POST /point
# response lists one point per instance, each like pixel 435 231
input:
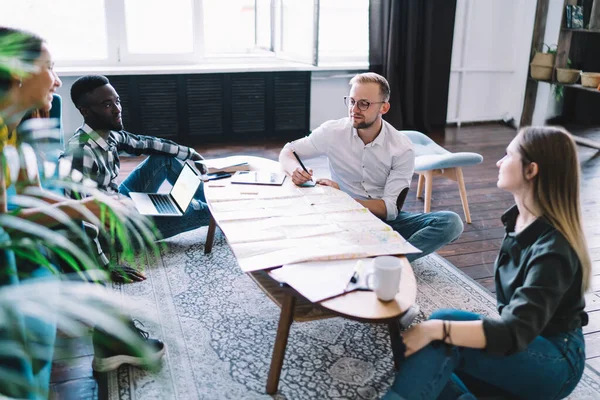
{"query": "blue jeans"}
pixel 427 231
pixel 549 368
pixel 149 176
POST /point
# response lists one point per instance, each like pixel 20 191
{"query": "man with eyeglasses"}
pixel 372 162
pixel 95 146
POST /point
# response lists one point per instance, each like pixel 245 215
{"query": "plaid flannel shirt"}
pixel 98 159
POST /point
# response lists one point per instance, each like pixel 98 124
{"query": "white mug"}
pixel 386 277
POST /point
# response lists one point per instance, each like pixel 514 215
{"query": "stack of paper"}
pixel 226 164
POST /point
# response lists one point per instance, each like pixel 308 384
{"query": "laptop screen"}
pixel 185 187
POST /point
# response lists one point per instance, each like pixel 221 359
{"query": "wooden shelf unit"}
pixel 561 59
pixel 579 86
pixel 568 85
pixel 580 30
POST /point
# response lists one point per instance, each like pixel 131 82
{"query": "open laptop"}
pixel 173 203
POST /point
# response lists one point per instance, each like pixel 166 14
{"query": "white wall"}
pixel 71 117
pixel 326 102
pixel 490 57
pixel 327 96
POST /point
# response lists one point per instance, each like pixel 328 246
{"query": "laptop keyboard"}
pixel 162 204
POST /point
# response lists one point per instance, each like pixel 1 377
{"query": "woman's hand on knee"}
pixel 421 335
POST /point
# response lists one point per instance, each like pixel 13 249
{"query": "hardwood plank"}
pixel 455 249
pixel 595 285
pixel 592 345
pixel 594 324
pixel 479 271
pixel 595 253
pixel 467 260
pixel 592 302
pixel 594 363
pixel 487 283
pixel 478 235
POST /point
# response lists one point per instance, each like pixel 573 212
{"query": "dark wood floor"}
pixel 474 252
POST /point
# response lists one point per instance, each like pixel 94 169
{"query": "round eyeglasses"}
pixel 363 105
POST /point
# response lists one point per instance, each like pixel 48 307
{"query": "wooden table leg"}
pixel 283 331
pixel 397 347
pixel 210 236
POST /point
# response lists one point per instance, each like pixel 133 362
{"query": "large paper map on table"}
pixel 268 228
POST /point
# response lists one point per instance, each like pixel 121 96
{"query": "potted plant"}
pixel 34 302
pixel 542 64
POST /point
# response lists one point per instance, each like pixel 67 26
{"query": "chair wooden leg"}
pixel 283 331
pixel 420 186
pixel 394 328
pixel 463 194
pixel 210 236
pixel 428 189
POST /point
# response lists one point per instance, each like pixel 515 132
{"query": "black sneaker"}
pixel 110 352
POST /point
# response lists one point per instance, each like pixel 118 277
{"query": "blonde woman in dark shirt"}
pixel 535 350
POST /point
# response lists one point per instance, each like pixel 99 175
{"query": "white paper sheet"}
pixel 221 163
pixel 338 245
pixel 249 192
pixel 318 280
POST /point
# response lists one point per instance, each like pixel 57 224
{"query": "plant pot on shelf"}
pixel 590 79
pixel 542 66
pixel 541 72
pixel 543 59
pixel 568 76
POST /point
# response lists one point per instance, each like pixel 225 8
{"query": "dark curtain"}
pixel 411 45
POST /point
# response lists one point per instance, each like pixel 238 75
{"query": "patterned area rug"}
pixel 220 329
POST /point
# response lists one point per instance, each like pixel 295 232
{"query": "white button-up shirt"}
pixel 378 170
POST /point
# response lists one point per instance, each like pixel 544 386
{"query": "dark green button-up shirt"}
pixel 538 287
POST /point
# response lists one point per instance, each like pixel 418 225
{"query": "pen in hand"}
pixel 301 164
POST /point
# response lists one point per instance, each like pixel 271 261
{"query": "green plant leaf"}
pixel 12 223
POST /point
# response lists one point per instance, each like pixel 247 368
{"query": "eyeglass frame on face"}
pixel 350 103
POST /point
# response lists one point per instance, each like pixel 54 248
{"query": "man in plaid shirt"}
pixel 95 147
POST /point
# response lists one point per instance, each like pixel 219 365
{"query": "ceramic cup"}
pixel 385 278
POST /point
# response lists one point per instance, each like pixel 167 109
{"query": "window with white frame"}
pixel 176 32
pixel 343 30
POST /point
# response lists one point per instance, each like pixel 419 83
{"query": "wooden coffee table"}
pixel 359 305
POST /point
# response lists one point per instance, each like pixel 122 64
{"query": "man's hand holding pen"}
pixel 301 176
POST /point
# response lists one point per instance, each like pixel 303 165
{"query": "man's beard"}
pixel 102 123
pixel 364 124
